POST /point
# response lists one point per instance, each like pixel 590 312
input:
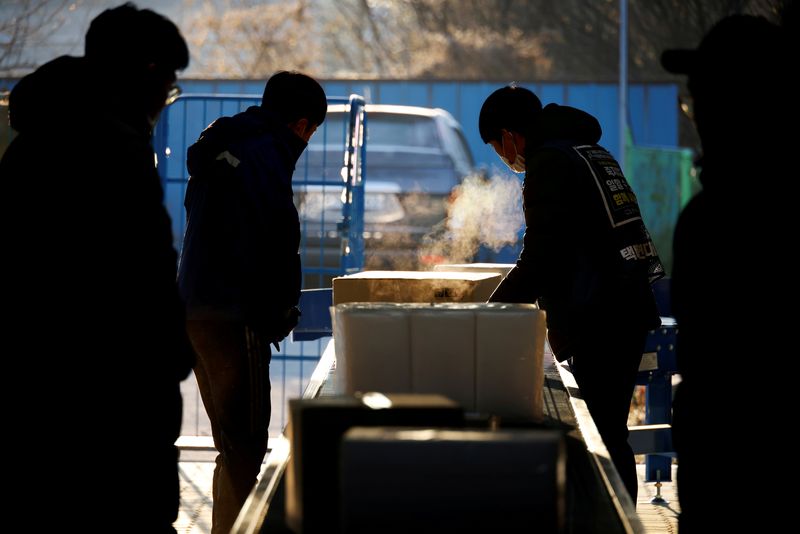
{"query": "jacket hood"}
pixel 58 91
pixel 564 123
pixel 224 132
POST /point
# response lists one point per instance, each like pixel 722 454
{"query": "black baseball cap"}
pixel 731 45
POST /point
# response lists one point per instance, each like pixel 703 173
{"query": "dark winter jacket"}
pixel 587 257
pixel 87 239
pixel 94 333
pixel 240 256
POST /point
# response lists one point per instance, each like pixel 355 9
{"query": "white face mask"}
pixel 519 163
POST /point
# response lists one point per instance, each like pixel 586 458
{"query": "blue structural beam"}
pixel 655 437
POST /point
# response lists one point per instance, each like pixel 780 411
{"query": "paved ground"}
pixel 195 513
pixel 658 517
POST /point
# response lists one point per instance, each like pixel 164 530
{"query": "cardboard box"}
pixel 488 357
pixel 429 481
pixel 500 268
pixel 414 286
pixel 315 431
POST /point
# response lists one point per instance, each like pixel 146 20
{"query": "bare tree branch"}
pixel 24 24
pixel 543 40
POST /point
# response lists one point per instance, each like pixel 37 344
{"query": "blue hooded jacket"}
pixel 240 258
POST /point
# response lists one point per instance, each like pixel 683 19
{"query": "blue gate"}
pixel 334 166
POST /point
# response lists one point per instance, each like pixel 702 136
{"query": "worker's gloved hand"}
pixel 282 325
pixel 277 326
pixel 287 322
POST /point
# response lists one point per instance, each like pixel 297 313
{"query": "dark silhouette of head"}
pixel 137 51
pixel 298 99
pixel 510 108
pixel 736 77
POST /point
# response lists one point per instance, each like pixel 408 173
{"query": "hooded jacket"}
pixel 240 256
pixel 587 257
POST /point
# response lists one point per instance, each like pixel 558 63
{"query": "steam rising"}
pixel 482 212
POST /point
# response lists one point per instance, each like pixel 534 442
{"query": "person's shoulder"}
pixel 552 150
pixel 224 127
pixel 550 157
pixel 249 128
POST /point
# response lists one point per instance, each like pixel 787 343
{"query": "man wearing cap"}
pixel 95 342
pixel 727 249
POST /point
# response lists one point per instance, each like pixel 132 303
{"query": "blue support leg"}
pixel 659 406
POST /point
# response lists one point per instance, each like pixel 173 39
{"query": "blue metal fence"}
pixel 179 127
pixel 652 107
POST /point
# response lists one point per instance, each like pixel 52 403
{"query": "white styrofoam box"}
pixel 373 350
pixel 440 345
pixel 497 389
pixel 488 357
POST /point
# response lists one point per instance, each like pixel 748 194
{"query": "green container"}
pixel 664 179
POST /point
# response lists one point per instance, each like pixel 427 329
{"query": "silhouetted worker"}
pixel 587 256
pixel 95 335
pixel 727 281
pixel 240 270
